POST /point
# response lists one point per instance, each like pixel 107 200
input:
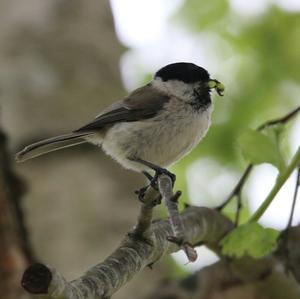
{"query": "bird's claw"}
pixel 159 172
pixel 141 193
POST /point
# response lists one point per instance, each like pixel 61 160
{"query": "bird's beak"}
pixel 217 85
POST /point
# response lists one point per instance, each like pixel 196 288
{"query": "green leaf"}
pixel 258 148
pixel 250 239
pixel 275 133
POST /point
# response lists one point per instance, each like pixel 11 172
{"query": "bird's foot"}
pixel 157 169
pixel 153 179
pixel 141 193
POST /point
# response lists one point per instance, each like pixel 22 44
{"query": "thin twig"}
pixel 238 187
pixel 171 200
pixel 150 200
pixel 238 209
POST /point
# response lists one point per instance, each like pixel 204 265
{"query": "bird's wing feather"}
pixel 142 103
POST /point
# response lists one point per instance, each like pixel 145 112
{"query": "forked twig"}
pixel 171 200
pixel 143 226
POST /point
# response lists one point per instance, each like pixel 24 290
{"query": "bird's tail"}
pixel 49 145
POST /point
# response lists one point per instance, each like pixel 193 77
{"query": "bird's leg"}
pixel 147 175
pixel 158 170
pixel 142 191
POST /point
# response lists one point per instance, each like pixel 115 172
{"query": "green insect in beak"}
pixel 217 85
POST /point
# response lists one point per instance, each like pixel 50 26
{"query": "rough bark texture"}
pixel 246 277
pixel 179 235
pixel 104 279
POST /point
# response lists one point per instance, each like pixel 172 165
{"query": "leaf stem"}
pixel 294 199
pixel 281 179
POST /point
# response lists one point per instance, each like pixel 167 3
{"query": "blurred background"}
pixel 63 61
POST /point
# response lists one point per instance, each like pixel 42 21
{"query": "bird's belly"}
pixel 162 142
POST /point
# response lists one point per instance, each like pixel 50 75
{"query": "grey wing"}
pixel 143 103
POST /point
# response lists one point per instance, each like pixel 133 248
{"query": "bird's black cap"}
pixel 183 71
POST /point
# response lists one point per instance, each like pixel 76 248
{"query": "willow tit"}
pixel 156 124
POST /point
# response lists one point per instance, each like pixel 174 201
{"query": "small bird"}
pixel 153 127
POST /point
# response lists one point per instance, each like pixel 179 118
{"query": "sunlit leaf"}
pixel 250 239
pixel 258 148
pixel 275 133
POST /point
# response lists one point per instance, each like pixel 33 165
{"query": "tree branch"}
pixel 143 226
pixel 171 200
pixel 104 279
pixel 195 225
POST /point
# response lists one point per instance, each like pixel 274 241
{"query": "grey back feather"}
pixel 143 103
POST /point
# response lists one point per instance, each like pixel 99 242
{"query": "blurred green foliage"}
pixel 258 61
pixel 261 58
